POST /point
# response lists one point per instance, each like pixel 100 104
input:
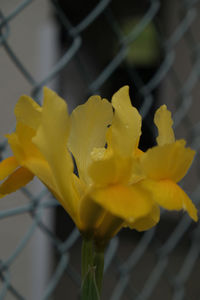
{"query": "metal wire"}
pixel 159 270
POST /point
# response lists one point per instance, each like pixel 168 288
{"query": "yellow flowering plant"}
pixel 118 185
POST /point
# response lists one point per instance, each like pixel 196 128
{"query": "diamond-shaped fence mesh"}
pixel 153 46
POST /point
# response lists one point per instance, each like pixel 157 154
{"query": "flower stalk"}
pixel 87 256
pixel 92 270
pixel 99 267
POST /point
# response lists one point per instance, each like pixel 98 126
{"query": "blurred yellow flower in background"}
pixel 117 184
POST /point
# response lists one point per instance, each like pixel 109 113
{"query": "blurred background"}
pixel 80 48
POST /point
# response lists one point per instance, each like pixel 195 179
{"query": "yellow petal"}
pixel 21 143
pixel 15 146
pixel 51 140
pixel 108 168
pixel 136 172
pixel 126 202
pixel 7 166
pixel 109 226
pixel 41 169
pixel 89 123
pixel 170 196
pixel 91 214
pixel 103 169
pixel 147 222
pixel 124 133
pixel 15 181
pixel 164 124
pixel 29 155
pixel 170 161
pixel 27 111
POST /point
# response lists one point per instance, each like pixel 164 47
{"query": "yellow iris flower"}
pixel 117 184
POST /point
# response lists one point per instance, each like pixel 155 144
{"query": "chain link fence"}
pixel 154 46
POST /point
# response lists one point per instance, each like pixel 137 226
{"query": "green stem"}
pixel 87 257
pixel 99 266
pixel 92 271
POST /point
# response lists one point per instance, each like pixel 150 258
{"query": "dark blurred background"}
pixel 142 44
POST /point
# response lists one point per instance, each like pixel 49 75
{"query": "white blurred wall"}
pixel 31 37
